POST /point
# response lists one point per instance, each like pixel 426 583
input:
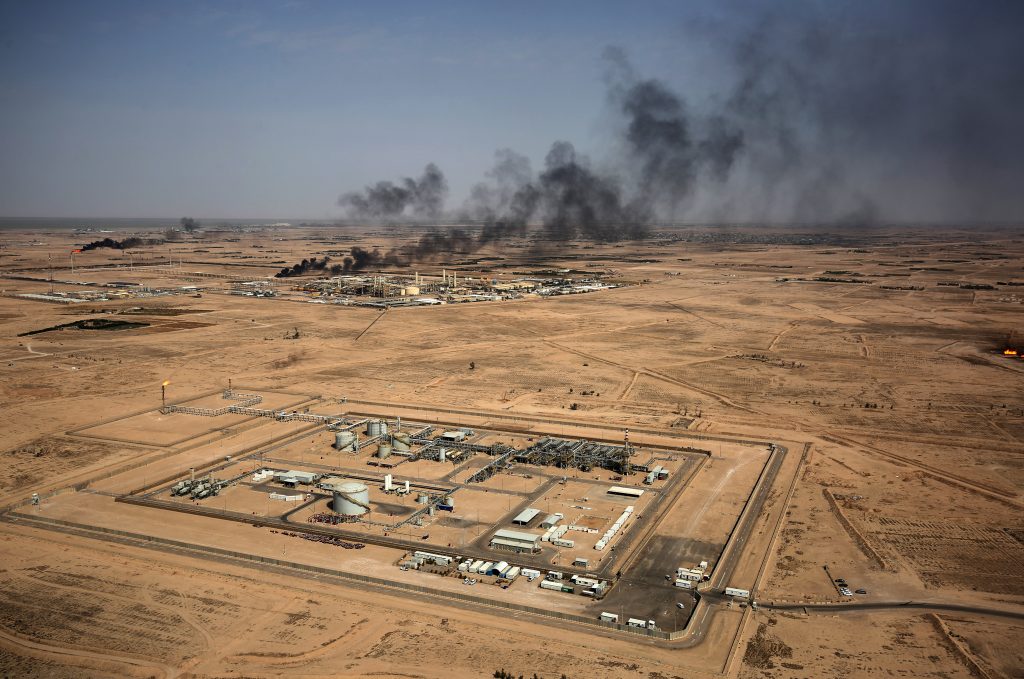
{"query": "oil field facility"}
pixel 509 514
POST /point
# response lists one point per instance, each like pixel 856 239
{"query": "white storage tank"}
pixel 401 442
pixel 384 451
pixel 351 498
pixel 344 441
pixel 376 428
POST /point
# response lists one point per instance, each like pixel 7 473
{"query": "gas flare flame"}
pixel 1009 352
pixel 166 382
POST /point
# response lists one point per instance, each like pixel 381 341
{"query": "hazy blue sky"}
pixel 268 109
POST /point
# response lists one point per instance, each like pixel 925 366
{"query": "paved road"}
pixel 896 605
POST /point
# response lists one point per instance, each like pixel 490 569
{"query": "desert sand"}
pixel 877 363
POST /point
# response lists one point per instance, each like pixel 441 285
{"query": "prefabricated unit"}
pixel 738 593
pixel 609 617
pixel 550 521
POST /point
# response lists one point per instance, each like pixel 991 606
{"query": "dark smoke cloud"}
pixel 816 113
pixel 507 202
pixel 131 242
pixel 423 197
pixel 306 266
pixel 855 112
pixel 578 202
pixel 668 148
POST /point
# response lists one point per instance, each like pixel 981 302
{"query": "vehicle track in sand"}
pixel 67 655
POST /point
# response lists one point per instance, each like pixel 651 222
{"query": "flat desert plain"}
pixel 878 364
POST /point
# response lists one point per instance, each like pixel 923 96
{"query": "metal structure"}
pixel 345 440
pixel 578 454
pixel 351 498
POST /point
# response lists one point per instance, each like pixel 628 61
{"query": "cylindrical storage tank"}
pixel 376 428
pixel 384 451
pixel 423 498
pixel 351 498
pixel 440 455
pixel 344 440
pixel 449 500
pixel 401 443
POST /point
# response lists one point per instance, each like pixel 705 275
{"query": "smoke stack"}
pixel 406 486
pixel 387 483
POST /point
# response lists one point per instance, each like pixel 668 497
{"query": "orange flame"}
pixel 166 382
pixel 1009 352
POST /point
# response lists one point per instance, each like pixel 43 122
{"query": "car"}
pixel 681 605
pixel 845 591
pixel 840 582
pixel 862 591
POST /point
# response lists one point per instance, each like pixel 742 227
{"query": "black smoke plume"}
pixel 576 201
pixel 423 197
pixel 304 267
pixel 131 242
pixel 668 148
pixel 822 113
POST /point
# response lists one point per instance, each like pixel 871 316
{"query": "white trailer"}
pixel 475 567
pixel 549 584
pixel 609 617
pixel 636 622
pixel 530 573
pixel 685 584
pixel 738 593
pixel 553 575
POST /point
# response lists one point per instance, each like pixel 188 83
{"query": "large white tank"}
pixel 376 428
pixel 344 440
pixel 384 451
pixel 401 442
pixel 351 498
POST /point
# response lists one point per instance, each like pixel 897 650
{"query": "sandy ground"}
pixel 912 488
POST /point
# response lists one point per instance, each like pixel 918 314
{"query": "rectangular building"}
pixel 526 516
pixel 515 541
pixel 550 521
pixel 625 492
